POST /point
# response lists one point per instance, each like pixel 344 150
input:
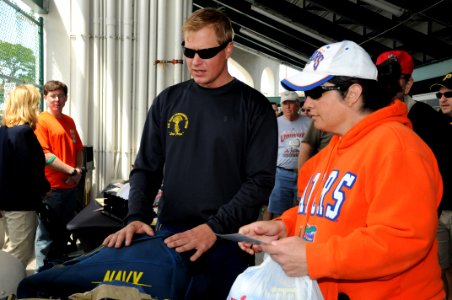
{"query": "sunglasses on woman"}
pixel 445 94
pixel 204 53
pixel 317 92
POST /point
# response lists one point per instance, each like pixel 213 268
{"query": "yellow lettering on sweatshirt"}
pixel 136 277
pixel 133 277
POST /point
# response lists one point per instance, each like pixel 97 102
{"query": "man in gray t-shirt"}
pixel 291 129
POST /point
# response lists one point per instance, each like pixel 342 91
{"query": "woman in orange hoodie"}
pixel 366 222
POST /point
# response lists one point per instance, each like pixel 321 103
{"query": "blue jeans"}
pixel 284 193
pixel 52 232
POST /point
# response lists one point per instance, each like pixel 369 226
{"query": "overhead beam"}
pixel 385 27
pixel 304 29
pixel 319 24
pixel 244 17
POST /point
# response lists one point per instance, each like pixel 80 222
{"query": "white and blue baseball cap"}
pixel 344 58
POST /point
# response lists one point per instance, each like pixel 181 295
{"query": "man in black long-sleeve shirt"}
pixel 443 91
pixel 212 141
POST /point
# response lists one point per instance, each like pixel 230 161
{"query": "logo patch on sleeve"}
pixel 309 233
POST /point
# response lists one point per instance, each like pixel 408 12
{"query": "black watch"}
pixel 74 172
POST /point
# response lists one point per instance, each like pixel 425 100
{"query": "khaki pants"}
pixel 20 230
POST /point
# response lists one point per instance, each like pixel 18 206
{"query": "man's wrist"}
pixel 74 172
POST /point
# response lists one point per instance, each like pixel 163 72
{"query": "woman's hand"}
pixel 266 231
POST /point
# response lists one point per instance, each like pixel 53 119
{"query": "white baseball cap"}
pixel 344 58
pixel 289 96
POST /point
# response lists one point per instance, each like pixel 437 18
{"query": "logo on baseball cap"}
pixel 344 58
pixel 445 82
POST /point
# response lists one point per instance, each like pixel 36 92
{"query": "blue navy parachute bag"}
pixel 147 264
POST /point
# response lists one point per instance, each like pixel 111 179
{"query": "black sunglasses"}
pixel 445 94
pixel 317 92
pixel 204 53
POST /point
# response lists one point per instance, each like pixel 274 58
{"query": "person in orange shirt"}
pixel 365 227
pixel 63 151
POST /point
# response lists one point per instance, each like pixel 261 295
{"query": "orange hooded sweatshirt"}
pixel 368 207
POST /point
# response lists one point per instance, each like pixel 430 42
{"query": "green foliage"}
pixel 17 61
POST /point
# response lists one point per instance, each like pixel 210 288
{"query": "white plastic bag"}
pixel 269 282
